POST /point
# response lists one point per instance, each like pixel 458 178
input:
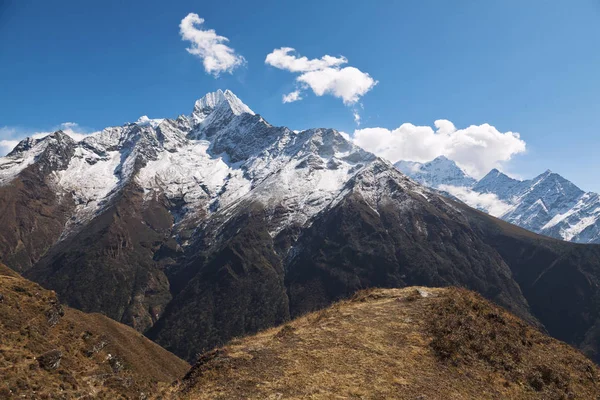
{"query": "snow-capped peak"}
pixel 435 173
pixel 145 121
pixel 207 104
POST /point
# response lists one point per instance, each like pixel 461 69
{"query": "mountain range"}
pixel 217 224
pixel 547 204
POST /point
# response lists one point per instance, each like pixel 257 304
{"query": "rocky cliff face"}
pixel 217 224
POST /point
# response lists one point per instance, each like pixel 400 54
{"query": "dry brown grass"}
pixel 395 344
pixel 99 358
pixel 470 333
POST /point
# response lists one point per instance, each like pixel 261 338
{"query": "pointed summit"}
pixel 498 183
pixel 219 99
pixel 437 172
pixel 442 158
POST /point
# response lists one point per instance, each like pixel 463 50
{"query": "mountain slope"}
pixel 380 232
pixel 217 224
pixel 396 344
pixel 47 349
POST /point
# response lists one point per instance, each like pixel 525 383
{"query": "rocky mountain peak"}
pixel 498 183
pixel 50 153
pixel 23 146
pixel 440 171
pixel 226 101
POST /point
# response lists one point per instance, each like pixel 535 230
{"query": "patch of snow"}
pixel 145 121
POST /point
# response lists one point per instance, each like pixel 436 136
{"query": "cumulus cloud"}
pixel 349 83
pixel 216 56
pixel 346 136
pixel 477 149
pixel 11 136
pixel 7 145
pixel 487 202
pixel 291 97
pixel 323 75
pixel 282 59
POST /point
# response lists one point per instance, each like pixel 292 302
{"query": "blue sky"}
pixel 529 67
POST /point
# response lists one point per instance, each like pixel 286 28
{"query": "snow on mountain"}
pixel 223 155
pixel 210 104
pixel 440 171
pixel 51 149
pixel 548 204
pixel 145 121
pixel 220 154
pixel 497 183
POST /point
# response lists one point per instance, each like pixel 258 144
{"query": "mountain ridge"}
pixel 395 344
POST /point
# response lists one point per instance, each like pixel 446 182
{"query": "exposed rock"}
pixel 50 360
pixel 116 364
pixel 54 313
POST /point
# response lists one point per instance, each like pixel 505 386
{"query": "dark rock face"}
pixel 112 261
pixel 354 247
pixel 32 219
pixel 237 279
pixel 236 290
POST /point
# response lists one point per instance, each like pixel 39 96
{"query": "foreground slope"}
pixel 50 351
pixel 396 344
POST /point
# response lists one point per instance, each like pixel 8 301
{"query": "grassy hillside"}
pixel 48 351
pixel 413 343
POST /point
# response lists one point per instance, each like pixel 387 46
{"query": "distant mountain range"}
pixel 216 224
pixel 547 204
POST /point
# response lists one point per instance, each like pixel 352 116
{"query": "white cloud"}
pixel 209 47
pixel 323 75
pixel 477 148
pixel 487 202
pixel 291 97
pixel 348 83
pixel 356 117
pixel 6 146
pixel 345 136
pixel 10 136
pixel 282 59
